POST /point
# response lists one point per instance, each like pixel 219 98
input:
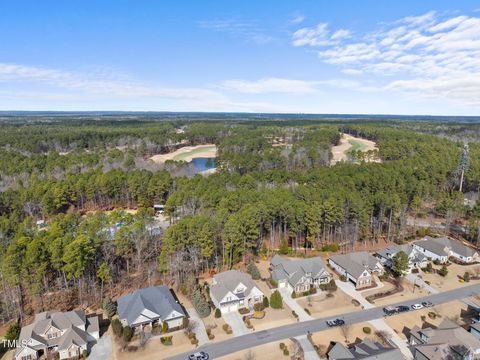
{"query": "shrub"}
pixel 266 303
pixel 258 306
pixel 367 330
pixel 295 315
pixel 443 271
pixel 273 283
pixel 436 262
pixel 253 271
pixel 84 354
pixel 330 247
pixel 307 311
pixel 286 352
pixel 283 249
pixel 13 332
pixel 166 340
pixel 276 301
pixel 294 294
pixel 428 268
pixel 466 276
pixel 243 311
pixel 218 313
pixel 127 333
pixel 117 327
pixel 164 327
pixel 109 307
pixel 343 278
pixel 414 271
pixel 248 323
pixel 185 323
pixel 227 328
pixel 200 304
pixel 282 346
pixel 355 302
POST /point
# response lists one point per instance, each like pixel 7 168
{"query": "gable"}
pixel 150 314
pixel 240 288
pixel 229 297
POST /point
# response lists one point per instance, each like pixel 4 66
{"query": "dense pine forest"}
pixel 273 190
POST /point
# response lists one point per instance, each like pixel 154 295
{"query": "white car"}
pixel 417 306
pixel 200 355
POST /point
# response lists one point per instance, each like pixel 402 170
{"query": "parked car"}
pixel 199 355
pixel 403 308
pixel 336 322
pixel 427 304
pixel 390 310
pixel 417 306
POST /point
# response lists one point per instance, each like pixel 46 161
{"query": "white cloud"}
pixel 270 85
pixel 248 30
pixel 297 19
pixel 431 54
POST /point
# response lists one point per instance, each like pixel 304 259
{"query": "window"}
pixel 27 357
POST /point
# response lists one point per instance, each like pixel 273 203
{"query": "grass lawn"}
pixel 357 145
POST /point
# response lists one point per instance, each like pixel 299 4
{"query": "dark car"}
pixel 336 322
pixel 427 304
pixel 199 355
pixel 390 310
pixel 403 308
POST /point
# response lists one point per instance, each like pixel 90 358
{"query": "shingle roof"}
pixel 294 270
pixel 355 263
pixel 438 245
pixel 157 299
pixel 449 340
pixel 365 350
pixel 70 322
pixel 228 281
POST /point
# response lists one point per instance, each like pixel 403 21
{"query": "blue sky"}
pixel 383 57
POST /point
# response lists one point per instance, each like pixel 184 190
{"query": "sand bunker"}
pixel 348 143
pixel 187 153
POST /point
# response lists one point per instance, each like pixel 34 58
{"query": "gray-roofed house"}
pixel 299 275
pixel 233 289
pixel 69 334
pixel 442 248
pixel 447 341
pixel 150 306
pixel 357 267
pixel 415 258
pixel 365 350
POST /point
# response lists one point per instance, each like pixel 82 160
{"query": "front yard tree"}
pixel 13 332
pixel 253 271
pixel 200 304
pixel 109 307
pixel 276 301
pixel 443 271
pixel 400 263
pixel 266 303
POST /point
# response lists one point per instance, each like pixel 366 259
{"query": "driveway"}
pixel 198 327
pixel 379 324
pixel 309 352
pixel 234 319
pixel 102 349
pixel 292 304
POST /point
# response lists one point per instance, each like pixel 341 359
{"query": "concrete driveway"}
pixel 292 304
pixel 198 327
pixel 309 352
pixel 102 349
pixel 379 324
pixel 234 319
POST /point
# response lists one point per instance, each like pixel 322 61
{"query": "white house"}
pixel 357 267
pixel 416 259
pixel 232 290
pixel 442 248
pixel 299 275
pixel 69 334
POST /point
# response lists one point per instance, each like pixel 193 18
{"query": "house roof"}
pixel 294 270
pixel 70 323
pixel 391 251
pixel 449 340
pixel 355 263
pixel 366 350
pixel 438 245
pixel 155 302
pixel 228 281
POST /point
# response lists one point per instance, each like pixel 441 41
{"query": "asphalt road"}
pixel 253 339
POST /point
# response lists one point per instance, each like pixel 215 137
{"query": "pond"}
pixel 203 163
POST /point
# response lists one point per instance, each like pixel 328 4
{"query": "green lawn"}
pixel 198 151
pixel 357 145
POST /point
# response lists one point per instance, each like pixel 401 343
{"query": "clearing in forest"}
pixel 187 153
pixel 350 143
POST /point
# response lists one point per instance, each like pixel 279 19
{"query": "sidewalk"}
pixel 199 327
pixel 378 324
pixel 292 304
pixel 309 352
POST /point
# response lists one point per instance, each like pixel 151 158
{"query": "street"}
pixel 248 341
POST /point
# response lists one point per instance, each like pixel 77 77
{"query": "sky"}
pixel 405 57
